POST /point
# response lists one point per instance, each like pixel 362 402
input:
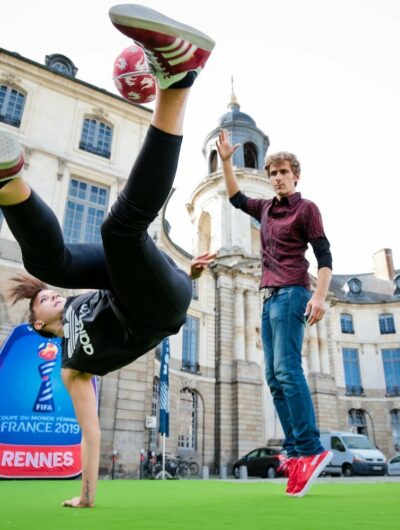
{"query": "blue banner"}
pixel 164 388
pixel 39 433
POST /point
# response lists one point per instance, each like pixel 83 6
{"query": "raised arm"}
pixel 226 150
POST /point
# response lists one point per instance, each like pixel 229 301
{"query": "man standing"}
pixel 288 223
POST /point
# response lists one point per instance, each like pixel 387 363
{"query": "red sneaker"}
pixel 173 48
pixel 308 470
pixel 289 469
pixel 132 76
pixel 11 157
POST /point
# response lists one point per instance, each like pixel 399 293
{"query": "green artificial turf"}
pixel 196 504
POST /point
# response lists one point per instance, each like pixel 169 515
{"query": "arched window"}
pixel 395 423
pixel 357 421
pixel 213 161
pixel 187 419
pixel 250 155
pixel 96 137
pixel 204 234
pixel 155 400
pixel 11 105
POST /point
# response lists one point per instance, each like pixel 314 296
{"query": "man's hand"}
pixel 199 264
pixel 315 310
pixel 225 149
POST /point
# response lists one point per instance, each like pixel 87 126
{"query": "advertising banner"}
pixel 39 434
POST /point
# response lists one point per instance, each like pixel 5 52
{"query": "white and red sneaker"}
pixel 308 470
pixel 289 469
pixel 11 157
pixel 173 48
pixel 132 76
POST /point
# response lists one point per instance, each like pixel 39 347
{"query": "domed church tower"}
pixel 218 226
pixel 241 404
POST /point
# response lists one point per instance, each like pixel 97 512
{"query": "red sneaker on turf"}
pixel 11 157
pixel 172 48
pixel 308 470
pixel 289 469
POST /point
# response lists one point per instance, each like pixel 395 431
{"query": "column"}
pixel 323 347
pixel 250 327
pixel 238 326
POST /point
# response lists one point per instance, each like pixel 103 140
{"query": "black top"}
pixel 97 338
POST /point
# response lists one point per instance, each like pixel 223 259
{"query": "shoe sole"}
pixel 315 475
pixel 138 16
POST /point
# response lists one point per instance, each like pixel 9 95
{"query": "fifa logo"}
pixel 45 402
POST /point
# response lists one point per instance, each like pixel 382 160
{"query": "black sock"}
pixel 186 82
pixel 4 182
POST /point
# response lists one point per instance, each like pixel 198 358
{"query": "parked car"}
pixel 394 465
pixel 262 462
pixel 353 454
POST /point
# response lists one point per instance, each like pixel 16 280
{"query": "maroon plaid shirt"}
pixel 287 226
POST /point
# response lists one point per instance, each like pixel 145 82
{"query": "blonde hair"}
pixel 283 156
pixel 26 287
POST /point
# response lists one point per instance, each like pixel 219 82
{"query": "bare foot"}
pixel 76 502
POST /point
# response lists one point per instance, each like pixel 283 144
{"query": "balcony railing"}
pixel 355 390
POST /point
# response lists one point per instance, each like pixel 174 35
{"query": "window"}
pixel 213 161
pixel 395 422
pixel 96 138
pixel 155 409
pixel 187 419
pixel 11 105
pixel 250 155
pixel 357 421
pixel 85 211
pixel 346 323
pixel 386 324
pixel 391 367
pixel 190 345
pixel 352 372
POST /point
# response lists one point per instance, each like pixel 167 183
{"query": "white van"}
pixel 353 454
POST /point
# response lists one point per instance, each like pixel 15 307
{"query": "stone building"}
pixel 80 142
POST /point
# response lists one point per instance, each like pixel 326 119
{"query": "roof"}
pixel 373 290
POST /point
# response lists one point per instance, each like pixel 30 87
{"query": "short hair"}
pixel 282 156
pixel 26 286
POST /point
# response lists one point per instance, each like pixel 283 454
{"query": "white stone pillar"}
pixel 323 347
pixel 238 326
pixel 250 326
pixel 313 349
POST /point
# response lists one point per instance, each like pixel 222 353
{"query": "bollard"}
pixel 243 473
pixel 223 472
pixel 206 473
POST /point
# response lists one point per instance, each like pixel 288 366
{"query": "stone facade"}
pixel 220 407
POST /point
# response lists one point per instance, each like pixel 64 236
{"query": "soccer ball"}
pixel 133 77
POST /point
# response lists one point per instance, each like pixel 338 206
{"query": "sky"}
pixel 320 77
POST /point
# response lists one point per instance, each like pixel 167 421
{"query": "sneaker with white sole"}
pixel 11 157
pixel 289 469
pixel 308 470
pixel 173 48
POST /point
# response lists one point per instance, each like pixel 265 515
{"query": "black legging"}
pixel 151 290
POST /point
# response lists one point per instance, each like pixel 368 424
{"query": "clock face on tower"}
pixel 354 285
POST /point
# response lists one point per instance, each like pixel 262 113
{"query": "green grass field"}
pixel 196 504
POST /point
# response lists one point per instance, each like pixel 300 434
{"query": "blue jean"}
pixel 283 325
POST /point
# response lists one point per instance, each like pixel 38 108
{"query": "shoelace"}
pixel 287 466
pixel 154 62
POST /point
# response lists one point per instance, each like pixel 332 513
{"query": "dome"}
pixel 234 114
